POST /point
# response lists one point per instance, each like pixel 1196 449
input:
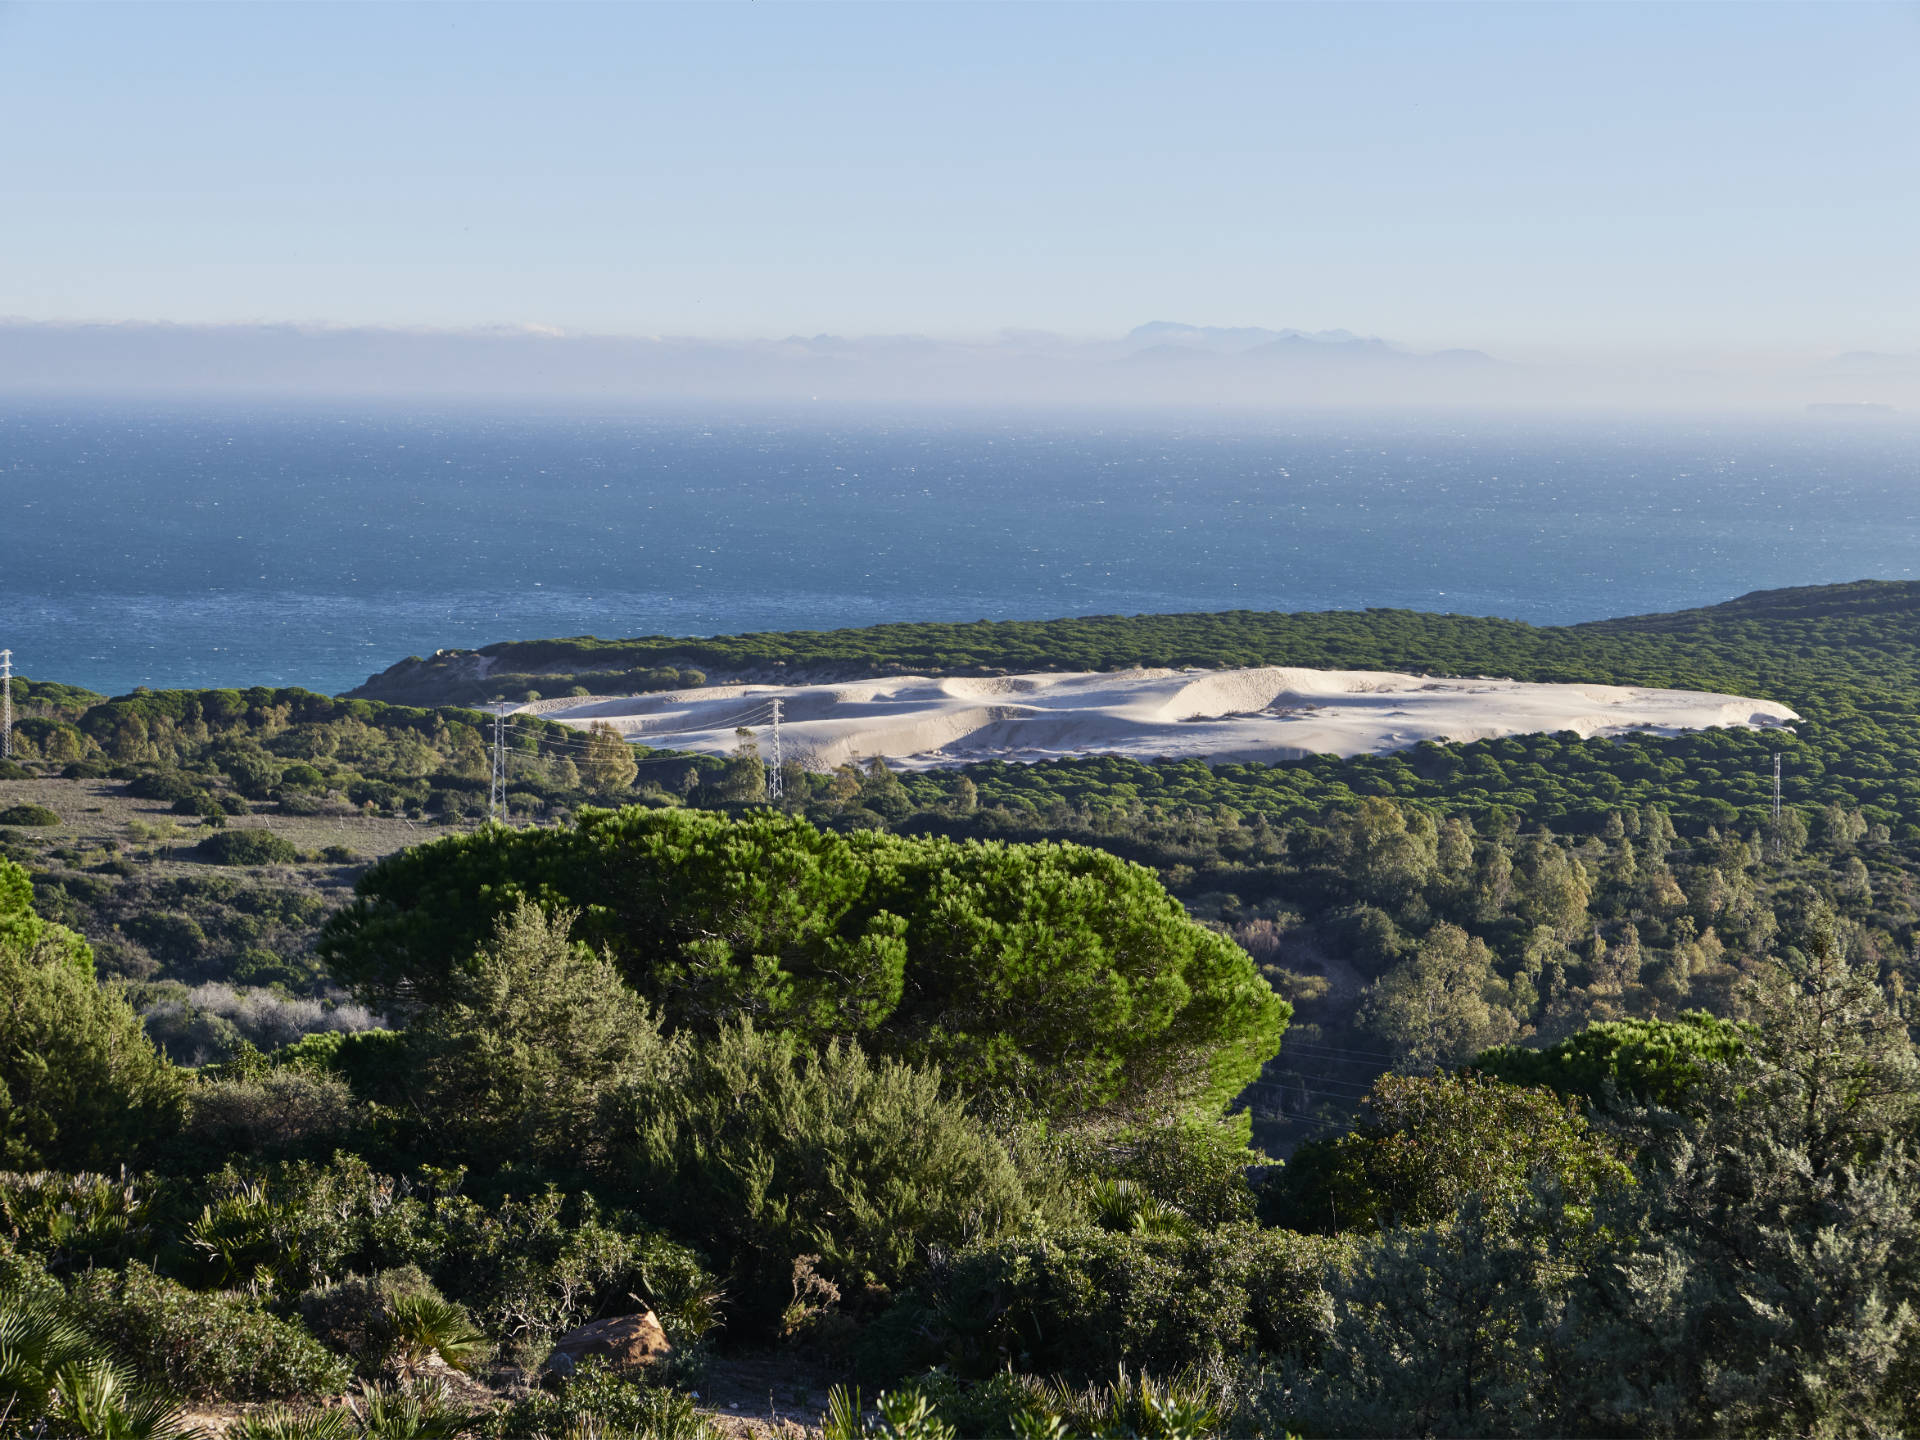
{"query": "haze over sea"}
pixel 192 546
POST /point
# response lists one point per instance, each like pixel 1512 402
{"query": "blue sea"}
pixel 195 545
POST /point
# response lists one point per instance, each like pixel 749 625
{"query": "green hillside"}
pixel 966 1086
pixel 1773 643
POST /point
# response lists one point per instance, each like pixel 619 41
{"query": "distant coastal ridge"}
pixel 1160 362
pixel 1165 358
pixel 1733 648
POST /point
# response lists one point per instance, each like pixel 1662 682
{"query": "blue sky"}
pixel 1706 176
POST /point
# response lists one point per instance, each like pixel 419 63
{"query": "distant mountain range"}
pixel 1231 340
pixel 1222 353
pixel 1251 340
pixel 1162 362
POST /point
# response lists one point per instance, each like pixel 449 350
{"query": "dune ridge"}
pixel 1265 714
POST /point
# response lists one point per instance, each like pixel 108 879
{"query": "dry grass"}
pixel 93 812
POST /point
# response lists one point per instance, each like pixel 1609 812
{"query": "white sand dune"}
pixel 1268 714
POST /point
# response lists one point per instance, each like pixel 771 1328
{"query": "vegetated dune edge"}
pixel 1265 714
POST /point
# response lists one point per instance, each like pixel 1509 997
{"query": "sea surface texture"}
pixel 195 545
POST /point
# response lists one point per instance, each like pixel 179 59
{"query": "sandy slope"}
pixel 1267 714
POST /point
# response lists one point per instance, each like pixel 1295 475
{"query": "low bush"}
pixel 1191 1404
pixel 390 1323
pixel 247 847
pixel 28 815
pixel 1191 1169
pixel 763 1151
pixel 1425 1143
pixel 1081 1304
pixel 66 1382
pixel 216 1345
pixel 38 1339
pixel 374 1062
pixel 168 785
pixel 594 1401
pixel 528 1269
pixel 80 1084
pixel 73 1222
pixel 419 1410
pixel 1653 1061
pixel 279 1112
pixel 269 1020
pixel 535 1268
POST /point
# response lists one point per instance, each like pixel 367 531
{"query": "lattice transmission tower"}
pixel 776 782
pixel 497 790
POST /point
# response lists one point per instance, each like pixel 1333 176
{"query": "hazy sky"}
pixel 1510 176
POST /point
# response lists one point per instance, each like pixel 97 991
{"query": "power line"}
pixel 767 712
pixel 1289 1044
pixel 581 747
pixel 1306 1082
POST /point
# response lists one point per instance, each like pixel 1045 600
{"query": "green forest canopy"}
pixel 1777 644
pixel 1847 657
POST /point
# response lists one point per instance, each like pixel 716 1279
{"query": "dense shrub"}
pixel 594 1401
pixel 1191 1168
pixel 28 815
pixel 263 1017
pixel 390 1323
pixel 527 1268
pixel 762 1151
pixel 1427 1143
pixel 303 777
pixel 38 1339
pixel 248 847
pixel 212 1345
pixel 1192 1403
pixel 61 1222
pixel 80 1084
pixel 373 1062
pixel 1651 1061
pixel 534 1268
pixel 168 785
pixel 56 1379
pixel 1081 1303
pixel 278 1112
pixel 186 1034
pixel 23 1274
pixel 513 1065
